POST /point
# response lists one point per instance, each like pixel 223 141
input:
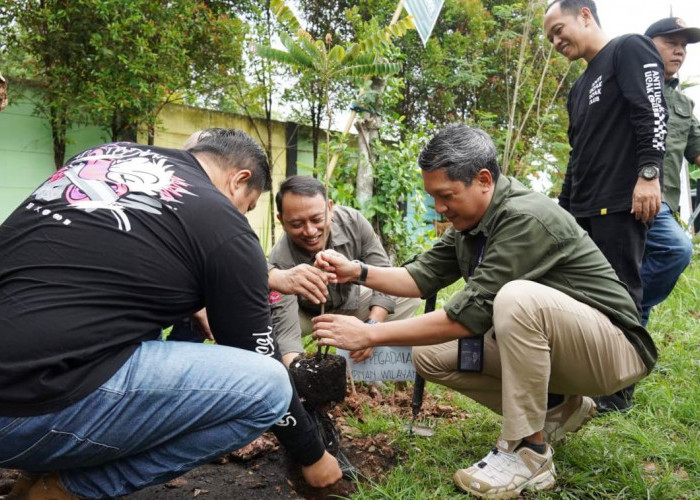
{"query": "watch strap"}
pixel 363 272
pixel 653 169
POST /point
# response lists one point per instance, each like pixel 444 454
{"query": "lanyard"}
pixel 480 246
pixel 470 350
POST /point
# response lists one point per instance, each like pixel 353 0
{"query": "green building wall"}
pixel 26 151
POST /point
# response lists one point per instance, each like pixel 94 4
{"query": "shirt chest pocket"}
pixel 682 109
pixel 680 119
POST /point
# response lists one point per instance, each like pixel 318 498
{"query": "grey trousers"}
pixel 545 341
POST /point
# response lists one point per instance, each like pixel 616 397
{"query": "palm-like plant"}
pixel 326 61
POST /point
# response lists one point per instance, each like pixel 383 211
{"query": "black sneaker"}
pixel 622 401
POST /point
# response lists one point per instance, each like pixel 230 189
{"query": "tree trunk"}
pixel 316 116
pixel 151 134
pixel 121 129
pixel 368 129
pixel 267 80
pixel 271 160
pixel 59 127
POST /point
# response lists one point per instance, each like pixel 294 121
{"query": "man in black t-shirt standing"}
pixel 122 241
pixel 617 132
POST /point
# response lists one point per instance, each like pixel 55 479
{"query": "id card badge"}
pixel 471 354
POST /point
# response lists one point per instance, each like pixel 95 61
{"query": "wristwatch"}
pixel 363 272
pixel 370 321
pixel 650 172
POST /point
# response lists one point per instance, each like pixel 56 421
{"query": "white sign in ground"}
pixel 425 13
pixel 386 363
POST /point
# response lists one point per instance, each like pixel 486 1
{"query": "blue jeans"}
pixel 171 407
pixel 666 255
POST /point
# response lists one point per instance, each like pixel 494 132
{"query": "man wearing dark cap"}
pixel 617 131
pixel 668 248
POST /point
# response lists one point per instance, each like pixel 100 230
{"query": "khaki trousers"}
pixel 405 307
pixel 545 341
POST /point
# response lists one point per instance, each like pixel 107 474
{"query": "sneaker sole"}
pixel 544 481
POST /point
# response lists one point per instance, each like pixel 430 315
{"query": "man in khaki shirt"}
pixel 543 322
pixel 304 211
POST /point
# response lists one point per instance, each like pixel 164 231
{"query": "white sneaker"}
pixel 505 472
pixel 569 416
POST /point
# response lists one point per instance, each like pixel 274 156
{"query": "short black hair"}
pixel 237 150
pixel 462 151
pixel 575 6
pixel 301 185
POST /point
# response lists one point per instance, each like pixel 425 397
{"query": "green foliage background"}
pixel 487 63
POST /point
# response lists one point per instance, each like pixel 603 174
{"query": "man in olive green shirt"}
pixel 542 307
pixel 668 249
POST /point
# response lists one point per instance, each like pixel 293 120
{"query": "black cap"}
pixel 672 26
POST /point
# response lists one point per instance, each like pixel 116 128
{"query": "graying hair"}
pixel 462 151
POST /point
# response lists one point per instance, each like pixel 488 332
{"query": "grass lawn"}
pixel 651 452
